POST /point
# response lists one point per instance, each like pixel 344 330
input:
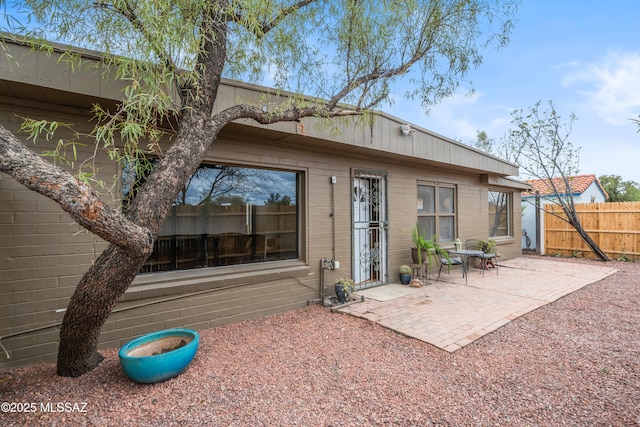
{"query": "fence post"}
pixel 538 216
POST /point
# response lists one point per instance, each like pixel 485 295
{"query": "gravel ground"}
pixel 574 362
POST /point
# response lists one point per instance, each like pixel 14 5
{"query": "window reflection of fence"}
pixel 209 236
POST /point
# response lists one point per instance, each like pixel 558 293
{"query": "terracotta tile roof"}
pixel 579 184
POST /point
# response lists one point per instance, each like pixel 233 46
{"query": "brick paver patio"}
pixel 450 314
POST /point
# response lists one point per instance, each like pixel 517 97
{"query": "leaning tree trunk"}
pixel 93 300
pixel 577 225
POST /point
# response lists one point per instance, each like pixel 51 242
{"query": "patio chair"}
pixel 488 259
pixel 449 261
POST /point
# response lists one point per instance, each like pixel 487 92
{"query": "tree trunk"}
pixel 592 244
pixel 577 225
pixel 93 300
pixel 109 277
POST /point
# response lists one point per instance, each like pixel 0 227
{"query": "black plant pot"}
pixel 342 297
pixel 405 278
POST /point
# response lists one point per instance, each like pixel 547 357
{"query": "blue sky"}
pixel 582 54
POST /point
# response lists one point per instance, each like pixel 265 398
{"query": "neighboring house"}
pixel 293 196
pixel 585 189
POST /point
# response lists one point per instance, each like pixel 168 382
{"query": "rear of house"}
pixel 251 233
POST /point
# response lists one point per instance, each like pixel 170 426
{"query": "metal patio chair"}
pixel 488 258
pixel 449 261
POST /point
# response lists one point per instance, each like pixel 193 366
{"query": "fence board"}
pixel 615 227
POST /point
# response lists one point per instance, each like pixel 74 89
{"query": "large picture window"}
pixel 499 214
pixel 228 215
pixel 437 211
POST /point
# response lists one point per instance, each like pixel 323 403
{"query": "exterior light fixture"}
pixel 406 129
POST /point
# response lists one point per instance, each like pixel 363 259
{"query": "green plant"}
pixel 348 286
pixel 623 257
pixel 428 246
pixel 487 246
pixel 404 269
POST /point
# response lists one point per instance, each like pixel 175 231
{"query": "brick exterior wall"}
pixel 43 254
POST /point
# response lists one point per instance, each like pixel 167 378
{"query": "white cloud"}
pixel 450 118
pixel 462 116
pixel 459 117
pixel 611 87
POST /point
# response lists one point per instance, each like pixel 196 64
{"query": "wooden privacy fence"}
pixel 615 227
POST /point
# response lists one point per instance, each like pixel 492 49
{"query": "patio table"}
pixel 466 254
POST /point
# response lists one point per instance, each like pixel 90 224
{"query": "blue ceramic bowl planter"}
pixel 159 356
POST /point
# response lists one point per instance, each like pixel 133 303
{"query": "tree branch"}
pixel 289 115
pixel 126 11
pixel 267 26
pixel 551 212
pixel 75 197
pixel 375 75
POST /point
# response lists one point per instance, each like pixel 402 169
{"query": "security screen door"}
pixel 370 225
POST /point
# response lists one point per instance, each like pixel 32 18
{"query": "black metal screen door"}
pixel 369 229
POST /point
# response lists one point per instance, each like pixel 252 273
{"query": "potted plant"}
pixel 405 274
pixel 425 248
pixel 490 248
pixel 486 246
pixel 344 288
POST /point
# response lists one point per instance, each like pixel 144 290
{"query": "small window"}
pixel 500 214
pixel 437 211
pixel 228 215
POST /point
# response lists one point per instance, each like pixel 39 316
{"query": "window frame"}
pixel 437 213
pixel 508 215
pixel 299 221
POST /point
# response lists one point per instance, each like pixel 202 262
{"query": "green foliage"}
pixel 345 56
pixel 623 257
pixel 427 246
pixel 349 52
pixel 278 200
pixel 65 151
pixel 619 190
pixel 487 246
pixel 484 143
pixel 503 149
pixel 404 269
pixel 348 286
